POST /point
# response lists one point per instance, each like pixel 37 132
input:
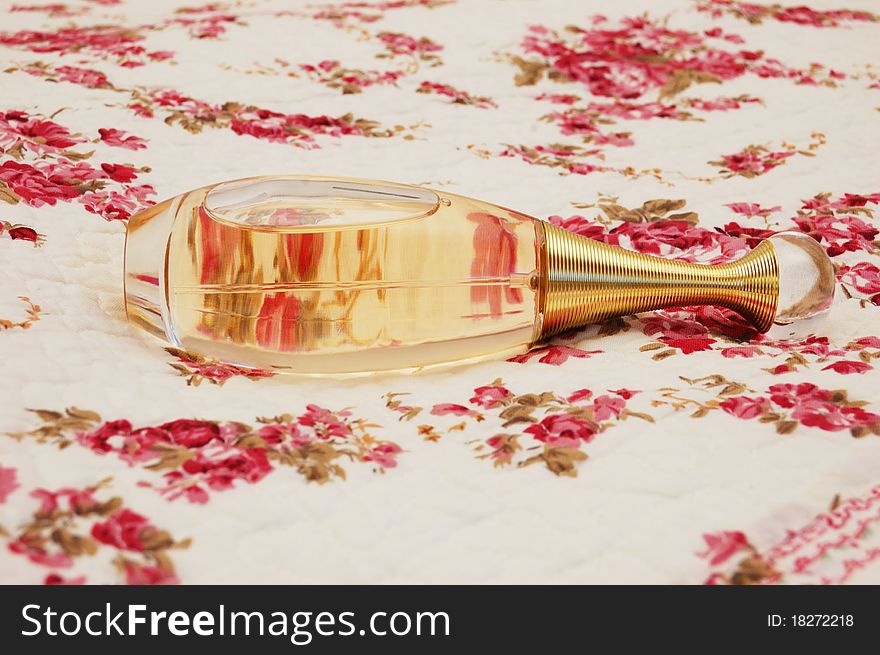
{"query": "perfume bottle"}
pixel 332 276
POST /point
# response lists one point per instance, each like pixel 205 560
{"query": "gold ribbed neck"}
pixel 584 281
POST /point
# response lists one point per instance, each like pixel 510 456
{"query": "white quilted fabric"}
pixel 652 495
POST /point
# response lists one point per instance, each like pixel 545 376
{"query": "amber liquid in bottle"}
pixel 324 276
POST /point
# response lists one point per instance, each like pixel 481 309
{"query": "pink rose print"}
pixel 790 405
pixel 751 209
pixel 721 546
pixel 847 367
pixel 44 171
pixel 835 223
pixel 804 554
pixel 755 12
pixel 8 483
pixel 676 238
pixel 334 75
pixel 220 473
pixel 554 440
pixel 490 396
pixel 562 430
pixel 444 409
pixel 745 407
pixel 554 355
pixel 91 79
pixel 56 579
pixel 625 62
pixel 196 368
pixel 191 434
pixel 385 455
pixel 146 574
pixel 70 524
pixel 114 42
pixel 19 130
pixel 421 49
pixel 456 96
pixel 123 530
pixel 863 278
pixel 189 458
pixel 35 187
pixel 120 139
pixel 579 395
pixel 753 161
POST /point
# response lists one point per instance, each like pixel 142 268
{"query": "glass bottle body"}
pixel 319 276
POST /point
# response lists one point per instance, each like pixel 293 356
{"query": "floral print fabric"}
pixel 672 447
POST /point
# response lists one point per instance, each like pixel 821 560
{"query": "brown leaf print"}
pixel 32 311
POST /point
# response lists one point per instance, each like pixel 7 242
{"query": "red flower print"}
pixel 190 433
pixel 626 394
pixel 147 574
pixel 753 161
pixel 562 430
pixel 831 221
pixel 490 396
pixel 724 545
pixel 864 342
pixel 8 483
pixel 752 209
pixel 33 186
pixel 34 548
pixel 756 13
pixel 91 79
pixel 559 98
pixel 402 44
pixel 604 407
pixel 325 423
pixel 457 96
pixel 671 327
pixel 444 409
pixel 120 139
pixel 47 135
pixel 663 237
pixel 716 579
pixel 832 417
pixel 554 355
pixel 98 440
pixel 579 395
pixel 789 395
pixel 80 501
pixel 864 277
pixel 190 457
pixel 48 501
pixel 219 473
pixel 846 367
pixel 124 529
pixel 105 41
pixel 70 525
pixel 119 172
pixel 384 455
pixel 810 406
pixel 745 407
pixel 197 367
pixel 627 61
pixel 689 345
pixel 56 579
pixel 36 134
pixel 24 233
